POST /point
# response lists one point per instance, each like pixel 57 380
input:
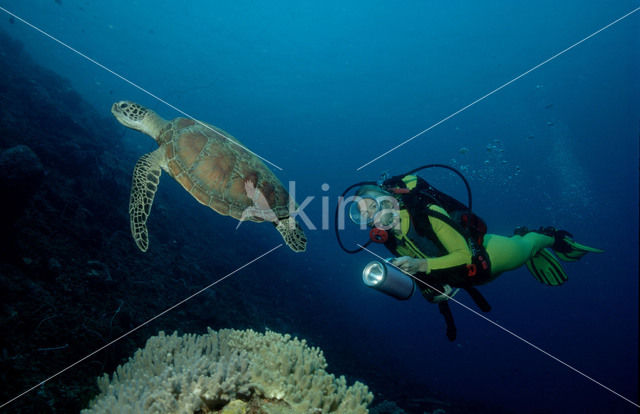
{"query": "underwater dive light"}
pixel 388 279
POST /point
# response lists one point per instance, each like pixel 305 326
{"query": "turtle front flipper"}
pixel 146 176
pixel 292 234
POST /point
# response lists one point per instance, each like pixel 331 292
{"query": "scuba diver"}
pixel 443 245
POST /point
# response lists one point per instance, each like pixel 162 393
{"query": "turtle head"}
pixel 135 116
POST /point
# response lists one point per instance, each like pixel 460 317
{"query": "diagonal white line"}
pixel 534 346
pixel 497 89
pixel 95 62
pixel 139 326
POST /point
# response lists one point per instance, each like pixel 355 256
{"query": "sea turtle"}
pixel 212 166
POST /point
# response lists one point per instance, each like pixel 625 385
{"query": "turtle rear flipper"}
pixel 292 234
pixel 146 176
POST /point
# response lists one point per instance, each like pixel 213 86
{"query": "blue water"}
pixel 321 88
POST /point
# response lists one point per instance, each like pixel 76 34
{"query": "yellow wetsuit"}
pixel 450 249
pixel 505 253
pixel 456 247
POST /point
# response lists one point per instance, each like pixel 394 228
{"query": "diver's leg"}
pixel 508 253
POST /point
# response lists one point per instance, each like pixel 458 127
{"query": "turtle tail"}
pixel 292 234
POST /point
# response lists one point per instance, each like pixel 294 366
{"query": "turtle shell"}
pixel 218 172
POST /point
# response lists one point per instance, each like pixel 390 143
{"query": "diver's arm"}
pixel 456 246
pixel 458 252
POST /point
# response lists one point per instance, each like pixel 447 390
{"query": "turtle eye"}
pixel 123 106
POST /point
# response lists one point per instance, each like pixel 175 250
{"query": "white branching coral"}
pixel 191 373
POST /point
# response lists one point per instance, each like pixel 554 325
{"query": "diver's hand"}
pixel 411 265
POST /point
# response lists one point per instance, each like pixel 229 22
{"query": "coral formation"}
pixel 210 372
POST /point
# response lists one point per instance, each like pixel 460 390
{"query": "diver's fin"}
pixel 546 268
pixel 574 251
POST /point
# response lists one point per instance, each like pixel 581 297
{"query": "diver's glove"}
pixel 411 265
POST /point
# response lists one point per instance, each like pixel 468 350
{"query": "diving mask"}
pixel 378 210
